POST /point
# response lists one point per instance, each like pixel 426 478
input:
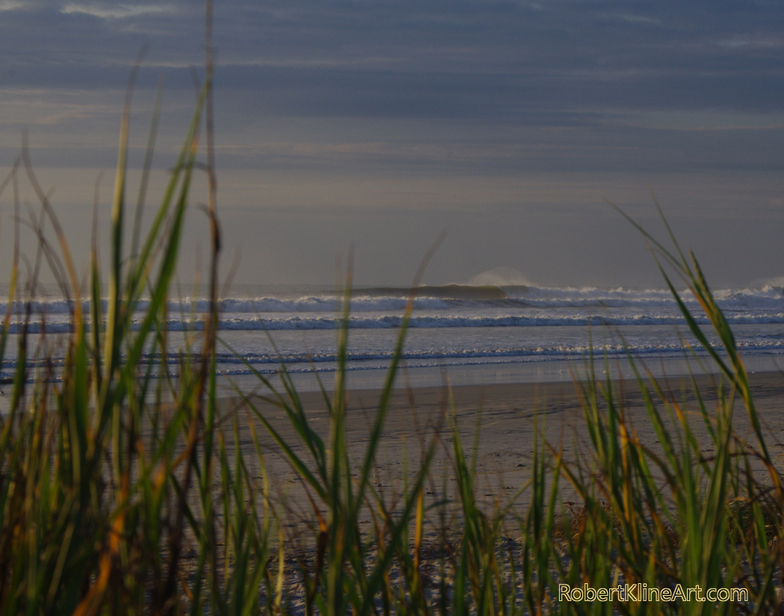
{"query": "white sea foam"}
pixel 450 325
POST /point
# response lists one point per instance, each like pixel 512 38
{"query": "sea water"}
pixel 466 334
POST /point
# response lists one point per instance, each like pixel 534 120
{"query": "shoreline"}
pixel 510 373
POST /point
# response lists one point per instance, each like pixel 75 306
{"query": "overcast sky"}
pixel 379 124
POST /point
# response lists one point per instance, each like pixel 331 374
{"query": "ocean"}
pixel 466 334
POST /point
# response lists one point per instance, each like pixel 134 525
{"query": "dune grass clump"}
pixel 126 490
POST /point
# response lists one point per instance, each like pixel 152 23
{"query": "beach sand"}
pixel 501 419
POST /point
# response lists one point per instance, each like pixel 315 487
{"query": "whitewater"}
pixel 473 333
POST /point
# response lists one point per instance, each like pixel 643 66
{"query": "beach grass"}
pixel 126 490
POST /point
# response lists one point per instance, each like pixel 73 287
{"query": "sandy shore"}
pixel 505 417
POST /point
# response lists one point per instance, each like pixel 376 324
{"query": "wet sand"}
pixel 501 419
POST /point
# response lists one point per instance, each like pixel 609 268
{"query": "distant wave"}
pixel 545 351
pixel 387 321
pixel 444 321
pixel 448 291
pixel 541 352
pixel 458 301
pixel 301 362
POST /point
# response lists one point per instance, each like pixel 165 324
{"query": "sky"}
pixel 372 127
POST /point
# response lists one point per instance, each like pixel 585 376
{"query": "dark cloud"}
pixel 503 61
